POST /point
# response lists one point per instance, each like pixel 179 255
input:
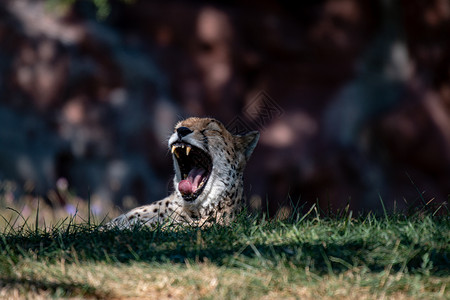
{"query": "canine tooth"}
pixel 173 148
pixel 176 153
pixel 188 149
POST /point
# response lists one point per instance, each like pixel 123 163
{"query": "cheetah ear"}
pixel 247 143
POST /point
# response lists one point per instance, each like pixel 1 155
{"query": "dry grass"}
pixel 40 280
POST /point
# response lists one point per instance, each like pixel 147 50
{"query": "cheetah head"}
pixel 208 159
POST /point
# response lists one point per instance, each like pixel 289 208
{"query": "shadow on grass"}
pixel 45 286
pixel 223 246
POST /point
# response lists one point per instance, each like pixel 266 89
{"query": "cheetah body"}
pixel 209 163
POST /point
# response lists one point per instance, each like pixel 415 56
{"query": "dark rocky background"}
pixel 352 98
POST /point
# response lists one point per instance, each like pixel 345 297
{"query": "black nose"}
pixel 183 131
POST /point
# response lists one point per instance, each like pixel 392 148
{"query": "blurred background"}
pixel 352 99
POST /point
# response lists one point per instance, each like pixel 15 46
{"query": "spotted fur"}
pixel 222 195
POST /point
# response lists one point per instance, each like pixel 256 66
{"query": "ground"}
pixel 311 256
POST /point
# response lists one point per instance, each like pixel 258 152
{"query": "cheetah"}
pixel 209 163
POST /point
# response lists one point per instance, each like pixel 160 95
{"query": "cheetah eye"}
pixel 211 130
pixel 215 130
pixel 214 127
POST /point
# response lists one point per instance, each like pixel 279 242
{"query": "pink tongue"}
pixel 190 184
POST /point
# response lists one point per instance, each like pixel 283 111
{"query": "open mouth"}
pixel 195 167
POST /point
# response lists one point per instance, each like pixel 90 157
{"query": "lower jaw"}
pixel 190 198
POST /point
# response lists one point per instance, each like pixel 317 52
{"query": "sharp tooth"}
pixel 177 155
pixel 173 148
pixel 182 146
pixel 188 149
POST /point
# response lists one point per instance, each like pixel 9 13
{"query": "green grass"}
pixel 306 257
